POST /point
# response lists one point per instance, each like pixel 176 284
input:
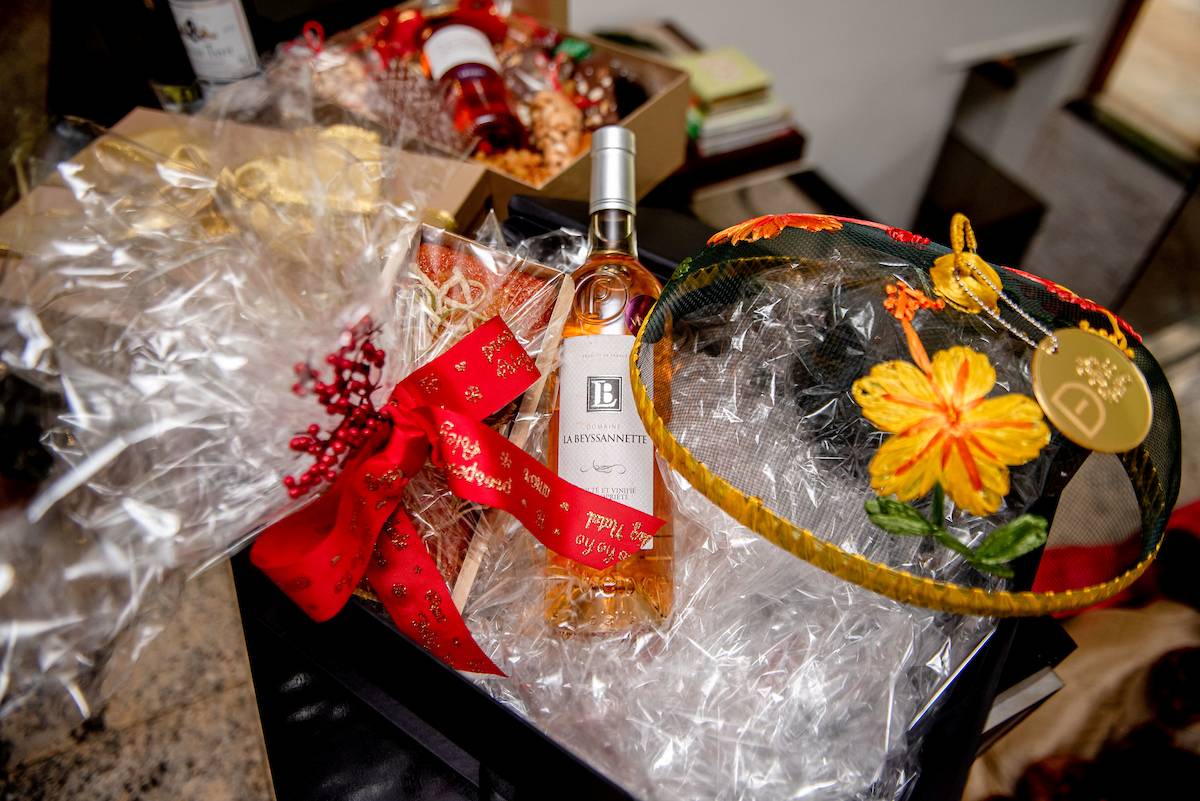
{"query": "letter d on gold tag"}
pixel 1092 392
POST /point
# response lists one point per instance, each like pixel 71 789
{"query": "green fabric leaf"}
pixel 937 513
pixel 947 539
pixel 1013 539
pixel 898 518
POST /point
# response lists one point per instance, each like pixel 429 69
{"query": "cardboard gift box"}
pixel 659 123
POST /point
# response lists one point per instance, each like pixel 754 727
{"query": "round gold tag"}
pixel 1092 392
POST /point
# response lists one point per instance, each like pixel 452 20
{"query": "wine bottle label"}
pixel 455 45
pixel 603 446
pixel 217 38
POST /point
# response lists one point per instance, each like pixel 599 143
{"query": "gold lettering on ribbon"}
pixel 614 529
pixel 385 481
pixel 435 606
pixel 609 525
pixel 600 521
pixel 399 541
pixel 605 524
pixel 472 474
pixel 607 550
pixel 466 447
pixel 505 368
pixel 424 633
pixel 539 486
pixel 492 348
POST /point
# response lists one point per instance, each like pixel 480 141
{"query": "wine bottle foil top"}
pixel 612 169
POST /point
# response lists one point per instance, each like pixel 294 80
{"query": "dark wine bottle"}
pixel 218 39
pixel 168 69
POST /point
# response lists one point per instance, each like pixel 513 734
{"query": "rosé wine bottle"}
pixel 457 50
pixel 597 440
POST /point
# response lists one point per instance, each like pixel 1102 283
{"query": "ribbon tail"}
pixel 477 376
pixel 408 584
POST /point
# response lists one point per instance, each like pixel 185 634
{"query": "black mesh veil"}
pixel 743 373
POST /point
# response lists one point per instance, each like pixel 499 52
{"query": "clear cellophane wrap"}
pixel 157 290
pixel 772 679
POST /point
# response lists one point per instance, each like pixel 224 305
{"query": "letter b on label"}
pixel 604 393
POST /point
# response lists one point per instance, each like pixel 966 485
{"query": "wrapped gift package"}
pixel 157 292
pixel 657 121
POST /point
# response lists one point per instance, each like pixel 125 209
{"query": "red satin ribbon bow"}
pixel 359 527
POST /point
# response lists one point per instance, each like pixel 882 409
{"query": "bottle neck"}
pixel 612 231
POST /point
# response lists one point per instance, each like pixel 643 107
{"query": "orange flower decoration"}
pixel 944 428
pixel 903 302
pixel 770 225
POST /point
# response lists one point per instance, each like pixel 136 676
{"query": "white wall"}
pixel 875 84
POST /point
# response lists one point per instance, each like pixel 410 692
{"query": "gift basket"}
pixel 843 391
pixel 153 286
pixel 237 327
pixel 892 348
pixel 535 94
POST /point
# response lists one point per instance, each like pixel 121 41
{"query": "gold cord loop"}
pixel 967 264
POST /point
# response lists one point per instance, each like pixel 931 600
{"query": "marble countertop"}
pixel 183 725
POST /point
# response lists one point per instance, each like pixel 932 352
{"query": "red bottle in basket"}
pixel 456 49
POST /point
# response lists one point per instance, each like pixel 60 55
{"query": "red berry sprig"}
pixel 355 368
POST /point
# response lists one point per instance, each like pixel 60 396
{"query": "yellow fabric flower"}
pixel 946 430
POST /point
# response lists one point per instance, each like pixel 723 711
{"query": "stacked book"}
pixel 733 107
